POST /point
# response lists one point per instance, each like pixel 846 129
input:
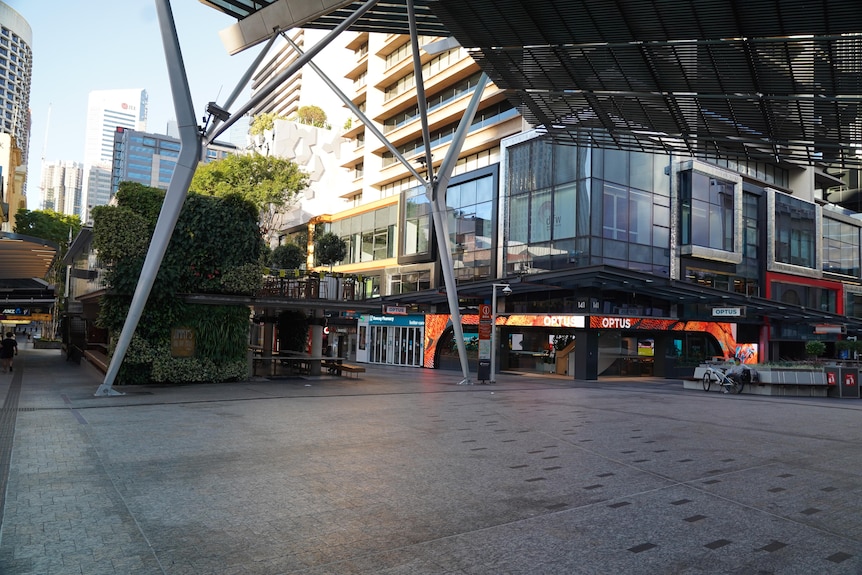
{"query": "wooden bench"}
pixel 98 359
pixel 339 368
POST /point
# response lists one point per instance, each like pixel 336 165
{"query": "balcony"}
pixel 299 285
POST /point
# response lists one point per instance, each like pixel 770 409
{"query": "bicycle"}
pixel 728 383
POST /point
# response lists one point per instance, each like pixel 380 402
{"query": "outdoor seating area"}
pixel 289 363
pixel 337 367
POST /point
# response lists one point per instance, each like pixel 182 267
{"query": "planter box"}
pixel 792 376
pixel 43 344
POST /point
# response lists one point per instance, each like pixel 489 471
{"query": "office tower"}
pixel 61 187
pixel 16 65
pixel 106 111
pixel 154 158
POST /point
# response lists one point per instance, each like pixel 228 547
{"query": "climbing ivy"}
pixel 215 248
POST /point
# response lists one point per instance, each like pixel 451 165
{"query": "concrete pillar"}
pixel 587 355
pixel 316 341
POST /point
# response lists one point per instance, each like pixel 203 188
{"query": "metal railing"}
pixel 301 285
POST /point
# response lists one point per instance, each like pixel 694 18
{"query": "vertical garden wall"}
pixel 215 249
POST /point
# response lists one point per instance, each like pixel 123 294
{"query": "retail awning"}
pixel 24 257
pixel 609 279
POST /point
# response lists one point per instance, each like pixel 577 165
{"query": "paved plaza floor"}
pixel 405 472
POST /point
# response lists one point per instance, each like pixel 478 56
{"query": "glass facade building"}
pixel 150 159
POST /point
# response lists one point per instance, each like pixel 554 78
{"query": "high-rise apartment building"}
pixel 61 186
pixel 305 88
pixel 388 231
pixel 16 65
pixel 106 111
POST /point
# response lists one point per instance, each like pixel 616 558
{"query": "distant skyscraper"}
pixel 16 65
pixel 150 159
pixel 106 111
pixel 61 187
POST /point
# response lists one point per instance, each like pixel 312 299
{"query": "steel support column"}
pixel 187 162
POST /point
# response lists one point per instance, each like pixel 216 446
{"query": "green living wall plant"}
pixel 215 248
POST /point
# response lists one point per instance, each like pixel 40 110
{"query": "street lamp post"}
pixel 506 291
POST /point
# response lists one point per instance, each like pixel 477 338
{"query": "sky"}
pixel 84 45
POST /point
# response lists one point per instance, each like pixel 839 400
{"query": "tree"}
pixel 263 122
pixel 48 225
pixel 288 257
pixel 312 115
pixel 330 249
pixel 815 348
pixel 271 184
pixel 59 229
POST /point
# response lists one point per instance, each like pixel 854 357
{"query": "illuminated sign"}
pixel 615 322
pixel 412 321
pixel 15 311
pixel 395 310
pixel 576 321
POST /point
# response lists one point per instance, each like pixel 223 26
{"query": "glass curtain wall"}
pixel 795 231
pixel 471 226
pixel 573 206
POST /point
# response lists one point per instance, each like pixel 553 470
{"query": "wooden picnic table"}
pixel 295 362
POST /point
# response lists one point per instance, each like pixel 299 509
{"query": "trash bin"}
pixel 849 382
pixel 833 376
pixel 484 373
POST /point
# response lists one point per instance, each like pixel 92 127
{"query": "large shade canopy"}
pixel 776 80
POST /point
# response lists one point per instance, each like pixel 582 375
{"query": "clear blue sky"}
pixel 84 45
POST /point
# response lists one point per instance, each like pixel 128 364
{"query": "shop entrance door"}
pixel 396 345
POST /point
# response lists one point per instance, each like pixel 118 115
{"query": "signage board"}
pixel 484 331
pixel 824 328
pixel 728 312
pixel 395 310
pixel 182 342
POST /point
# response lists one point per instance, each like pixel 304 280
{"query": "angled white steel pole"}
pixel 190 154
pixel 286 74
pixel 435 188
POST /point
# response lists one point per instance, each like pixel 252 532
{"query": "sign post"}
pixel 485 342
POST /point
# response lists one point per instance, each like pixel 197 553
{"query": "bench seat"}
pixel 342 368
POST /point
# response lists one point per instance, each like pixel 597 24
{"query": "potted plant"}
pixel 815 349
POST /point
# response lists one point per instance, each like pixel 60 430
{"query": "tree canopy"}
pixel 48 225
pixel 330 249
pixel 263 122
pixel 270 183
pixel 312 115
pixel 288 257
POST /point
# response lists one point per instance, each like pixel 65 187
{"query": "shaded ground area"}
pixel 403 471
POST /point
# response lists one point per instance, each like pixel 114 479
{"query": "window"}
pixel 706 211
pixel 369 236
pixel 615 213
pixel 840 248
pixel 417 223
pixel 795 231
pixel 471 224
pixel 410 282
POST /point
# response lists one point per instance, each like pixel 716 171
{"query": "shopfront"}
pixel 588 347
pixel 390 339
pixel 637 346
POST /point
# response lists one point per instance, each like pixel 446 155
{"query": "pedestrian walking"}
pixel 8 350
